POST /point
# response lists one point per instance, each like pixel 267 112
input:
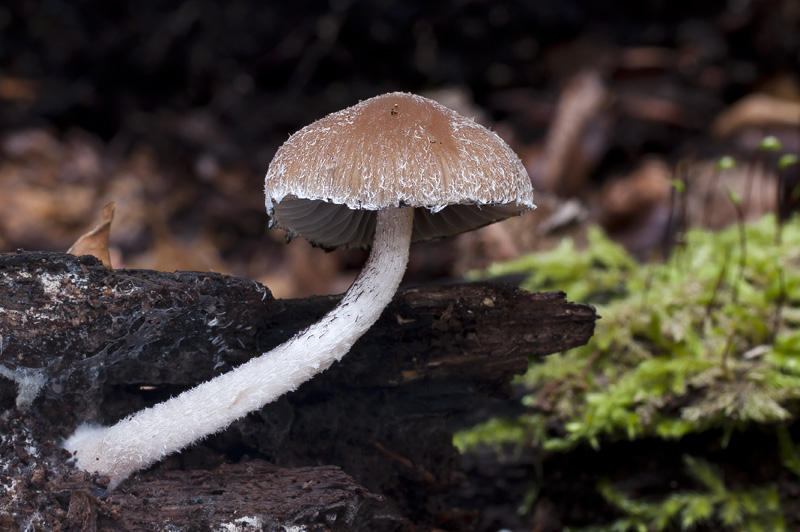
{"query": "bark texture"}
pixel 363 446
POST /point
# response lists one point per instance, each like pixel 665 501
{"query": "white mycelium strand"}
pixel 144 438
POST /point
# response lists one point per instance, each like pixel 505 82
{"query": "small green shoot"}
pixel 787 160
pixel 737 204
pixel 770 143
pixel 726 162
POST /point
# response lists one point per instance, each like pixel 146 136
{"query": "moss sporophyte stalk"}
pixel 715 345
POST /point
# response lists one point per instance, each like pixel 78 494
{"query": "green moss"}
pixel 707 340
pixel 714 505
pixel 515 434
pixel 681 347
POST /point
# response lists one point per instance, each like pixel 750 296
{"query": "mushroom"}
pixel 388 171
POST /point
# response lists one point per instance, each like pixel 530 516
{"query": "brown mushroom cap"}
pixel 328 179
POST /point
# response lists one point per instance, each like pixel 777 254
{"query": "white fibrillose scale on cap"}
pixel 391 170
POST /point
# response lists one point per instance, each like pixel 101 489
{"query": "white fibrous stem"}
pixel 143 438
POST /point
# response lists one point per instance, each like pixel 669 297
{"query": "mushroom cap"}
pixel 394 150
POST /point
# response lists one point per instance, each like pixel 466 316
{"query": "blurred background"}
pixel 174 109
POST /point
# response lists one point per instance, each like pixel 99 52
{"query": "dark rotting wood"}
pixel 81 343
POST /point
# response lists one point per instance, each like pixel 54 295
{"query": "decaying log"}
pixel 79 342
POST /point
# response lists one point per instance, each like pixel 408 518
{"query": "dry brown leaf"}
pixel 18 89
pixel 709 203
pixel 757 111
pixel 95 242
pixel 642 190
pixel 567 163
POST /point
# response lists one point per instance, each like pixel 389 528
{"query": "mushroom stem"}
pixel 144 438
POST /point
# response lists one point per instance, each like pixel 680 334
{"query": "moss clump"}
pixel 756 509
pixel 707 340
